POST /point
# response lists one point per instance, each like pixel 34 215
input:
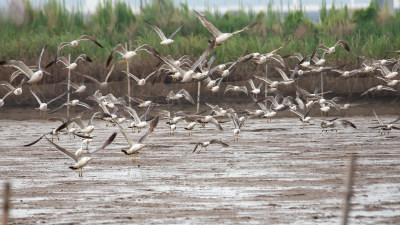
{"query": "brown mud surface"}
pixel 277 173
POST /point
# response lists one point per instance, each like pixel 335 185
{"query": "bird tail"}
pixel 72 168
pixel 124 151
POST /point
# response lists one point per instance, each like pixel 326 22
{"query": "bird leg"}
pixel 134 158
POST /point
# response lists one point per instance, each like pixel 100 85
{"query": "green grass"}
pixel 370 32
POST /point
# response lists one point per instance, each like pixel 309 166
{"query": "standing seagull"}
pixel 207 143
pixel 81 162
pixel 75 43
pixel 135 147
pixel 164 40
pixel 219 36
pixel 238 124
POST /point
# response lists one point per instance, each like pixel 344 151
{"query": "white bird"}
pixel 187 75
pixel 209 119
pixel 236 89
pixel 379 88
pixel 237 124
pixel 134 147
pixel 81 162
pixel 255 90
pixel 85 129
pixel 141 81
pixel 303 118
pixel 164 40
pixel 331 50
pixel 129 54
pixel 190 127
pixel 70 65
pixel 138 122
pixel 34 77
pixel 75 43
pixel 386 73
pixel 16 90
pixel 219 36
pixel 103 84
pixel 385 128
pixel 180 94
pixel 207 143
pixel 43 105
pixel 334 123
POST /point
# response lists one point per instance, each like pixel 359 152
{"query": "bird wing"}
pixel 35 141
pixel 63 150
pixel 109 140
pixel 132 76
pixel 8 85
pixel 173 34
pixel 128 139
pixel 228 88
pixel 79 122
pixel 283 74
pixel 63 60
pixel 62 45
pixel 40 57
pixel 216 123
pixel 245 28
pixel 388 89
pixel 252 84
pixel 83 57
pixel 56 98
pixel 158 30
pixel 203 56
pixel 20 66
pixel 120 49
pixel 394 121
pixel 298 113
pixel 197 145
pixel 86 37
pixel 91 78
pixel 215 141
pixel 151 74
pixel 214 31
pixel 34 95
pixel 173 65
pixel 344 44
pixel 186 95
pixel 346 123
pixel 378 118
pixel 153 125
pixel 133 113
pixel 369 90
pixel 244 89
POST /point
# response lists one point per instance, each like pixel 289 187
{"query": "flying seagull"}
pixel 164 40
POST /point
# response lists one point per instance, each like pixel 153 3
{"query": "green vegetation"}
pixel 369 32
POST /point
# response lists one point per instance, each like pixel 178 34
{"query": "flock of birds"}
pixel 117 112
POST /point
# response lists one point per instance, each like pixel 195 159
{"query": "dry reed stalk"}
pixel 349 189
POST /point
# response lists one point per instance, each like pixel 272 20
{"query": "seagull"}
pixel 81 162
pixel 78 88
pixel 219 36
pixel 255 90
pixel 43 105
pixel 72 103
pixel 54 132
pixel 379 88
pixel 180 94
pixel 383 128
pixel 331 50
pixel 386 73
pixel 142 81
pixel 16 90
pixel 236 89
pixel 129 54
pixel 138 122
pixel 334 123
pixel 101 84
pixel 34 77
pixel 75 43
pixel 135 147
pixel 207 143
pixel 68 65
pixel 190 127
pixel 238 124
pixel 85 129
pixel 187 75
pixel 303 118
pixel 209 119
pixel 262 58
pixel 164 40
pixel 142 103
